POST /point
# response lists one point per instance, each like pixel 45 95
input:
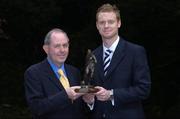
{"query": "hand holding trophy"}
pixel 86 87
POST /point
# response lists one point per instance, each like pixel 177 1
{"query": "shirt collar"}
pixel 55 67
pixel 113 46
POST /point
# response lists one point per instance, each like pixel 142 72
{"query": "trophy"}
pixel 86 86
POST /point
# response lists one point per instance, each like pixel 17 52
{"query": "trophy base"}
pixel 86 89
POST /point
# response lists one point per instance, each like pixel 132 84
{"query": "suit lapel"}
pixel 51 75
pixel 69 74
pixel 99 57
pixel 117 57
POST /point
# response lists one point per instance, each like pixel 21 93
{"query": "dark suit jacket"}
pixel 45 95
pixel 129 76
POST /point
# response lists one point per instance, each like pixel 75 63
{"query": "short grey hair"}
pixel 47 38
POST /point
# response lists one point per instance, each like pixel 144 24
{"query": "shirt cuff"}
pixel 112 96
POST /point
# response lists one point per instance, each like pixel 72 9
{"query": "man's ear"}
pixel 45 47
pixel 119 23
pixel 97 25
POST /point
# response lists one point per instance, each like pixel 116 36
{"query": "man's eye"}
pixel 111 22
pixel 57 46
pixel 101 23
pixel 66 45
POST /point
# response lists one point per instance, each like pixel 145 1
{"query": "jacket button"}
pixel 104 115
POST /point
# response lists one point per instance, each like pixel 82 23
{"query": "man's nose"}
pixel 106 24
pixel 61 48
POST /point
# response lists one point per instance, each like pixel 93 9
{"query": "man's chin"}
pixel 62 61
pixel 108 36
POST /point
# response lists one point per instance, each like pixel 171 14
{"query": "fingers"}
pixel 72 94
pixel 102 94
pixel 101 90
pixel 74 87
pixel 88 98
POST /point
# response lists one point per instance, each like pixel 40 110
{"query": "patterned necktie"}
pixel 107 60
pixel 63 79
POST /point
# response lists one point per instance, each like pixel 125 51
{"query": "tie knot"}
pixel 60 71
pixel 108 51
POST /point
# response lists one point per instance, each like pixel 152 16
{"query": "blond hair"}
pixel 108 8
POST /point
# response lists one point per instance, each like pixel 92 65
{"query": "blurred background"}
pixel 151 23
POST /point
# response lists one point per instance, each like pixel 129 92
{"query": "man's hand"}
pixel 102 94
pixel 72 94
pixel 89 98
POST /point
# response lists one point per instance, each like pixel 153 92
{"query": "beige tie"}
pixel 63 79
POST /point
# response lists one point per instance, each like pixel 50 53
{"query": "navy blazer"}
pixel 46 96
pixel 129 76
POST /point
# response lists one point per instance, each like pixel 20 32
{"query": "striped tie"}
pixel 107 60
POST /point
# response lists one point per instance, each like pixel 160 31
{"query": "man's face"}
pixel 107 25
pixel 58 48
